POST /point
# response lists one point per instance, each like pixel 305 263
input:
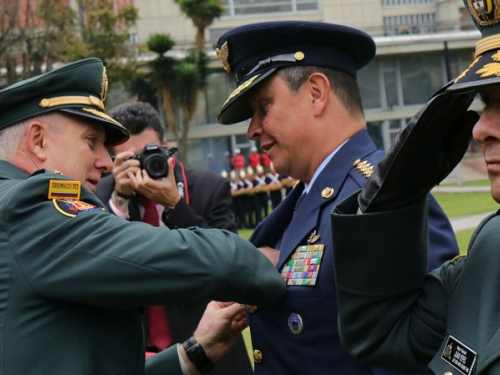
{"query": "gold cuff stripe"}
pixel 488 43
pixel 65 100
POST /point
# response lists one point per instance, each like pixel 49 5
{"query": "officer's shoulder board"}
pixel 65 196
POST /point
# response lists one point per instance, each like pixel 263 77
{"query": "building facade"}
pixel 421 45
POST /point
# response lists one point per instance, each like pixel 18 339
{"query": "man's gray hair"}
pixel 11 137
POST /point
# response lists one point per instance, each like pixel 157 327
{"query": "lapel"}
pixel 269 232
pixel 308 217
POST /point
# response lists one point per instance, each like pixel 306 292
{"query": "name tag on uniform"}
pixel 459 356
pixel 303 266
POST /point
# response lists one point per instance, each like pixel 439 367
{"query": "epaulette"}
pixel 364 167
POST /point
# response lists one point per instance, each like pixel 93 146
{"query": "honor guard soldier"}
pixel 261 194
pixel 251 199
pixel 239 214
pixel 445 321
pixel 296 82
pixel 74 276
pixel 273 182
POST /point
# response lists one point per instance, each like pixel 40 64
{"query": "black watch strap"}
pixel 197 355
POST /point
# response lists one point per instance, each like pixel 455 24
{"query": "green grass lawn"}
pixel 463 204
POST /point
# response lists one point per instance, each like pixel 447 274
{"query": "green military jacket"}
pixel 393 313
pixel 74 278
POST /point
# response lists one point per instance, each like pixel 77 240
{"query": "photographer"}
pixel 181 199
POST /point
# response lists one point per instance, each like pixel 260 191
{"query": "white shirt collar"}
pixel 322 166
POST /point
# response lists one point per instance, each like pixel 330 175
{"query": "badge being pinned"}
pixel 62 189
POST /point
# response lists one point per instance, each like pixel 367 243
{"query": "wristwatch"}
pixel 197 355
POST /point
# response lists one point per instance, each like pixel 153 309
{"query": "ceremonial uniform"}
pixel 75 277
pixel 305 323
pixel 446 320
pixel 307 114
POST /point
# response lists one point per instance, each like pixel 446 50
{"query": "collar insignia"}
pixel 327 192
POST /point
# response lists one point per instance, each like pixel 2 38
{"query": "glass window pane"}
pixel 369 85
pixel 421 76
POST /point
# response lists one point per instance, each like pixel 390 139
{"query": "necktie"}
pixel 158 330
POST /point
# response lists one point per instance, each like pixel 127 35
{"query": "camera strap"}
pixel 181 180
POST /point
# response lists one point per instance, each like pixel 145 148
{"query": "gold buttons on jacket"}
pixel 257 356
pixel 252 308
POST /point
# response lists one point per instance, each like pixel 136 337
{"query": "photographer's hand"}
pixel 121 168
pixel 163 191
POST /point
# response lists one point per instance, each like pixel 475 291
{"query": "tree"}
pixel 202 13
pixel 105 32
pixel 177 82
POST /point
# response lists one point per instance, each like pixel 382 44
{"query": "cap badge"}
pixel 104 88
pixel 485 12
pixel 492 69
pixel 327 192
pixel 223 55
pixel 295 323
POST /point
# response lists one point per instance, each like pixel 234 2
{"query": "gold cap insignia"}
pixel 313 237
pixel 327 192
pixel 485 12
pixel 364 167
pixel 104 88
pixel 223 55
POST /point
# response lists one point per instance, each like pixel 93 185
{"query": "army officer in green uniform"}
pixel 73 277
pixel 390 311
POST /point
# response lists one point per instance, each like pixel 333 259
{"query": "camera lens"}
pixel 156 166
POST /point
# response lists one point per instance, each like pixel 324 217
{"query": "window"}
pixel 252 7
pixel 410 24
pixel 392 3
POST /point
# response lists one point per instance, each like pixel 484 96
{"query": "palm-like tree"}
pixel 178 83
pixel 202 13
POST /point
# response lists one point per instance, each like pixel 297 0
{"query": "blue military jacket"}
pixel 300 336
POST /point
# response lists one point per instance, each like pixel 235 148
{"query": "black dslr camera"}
pixel 154 159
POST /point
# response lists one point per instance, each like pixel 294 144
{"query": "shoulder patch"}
pixel 458 257
pixel 63 189
pixel 72 208
pixel 364 167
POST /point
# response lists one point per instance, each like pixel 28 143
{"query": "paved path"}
pixel 467 222
pixel 464 222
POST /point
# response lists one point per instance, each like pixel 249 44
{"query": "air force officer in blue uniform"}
pixel 296 81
